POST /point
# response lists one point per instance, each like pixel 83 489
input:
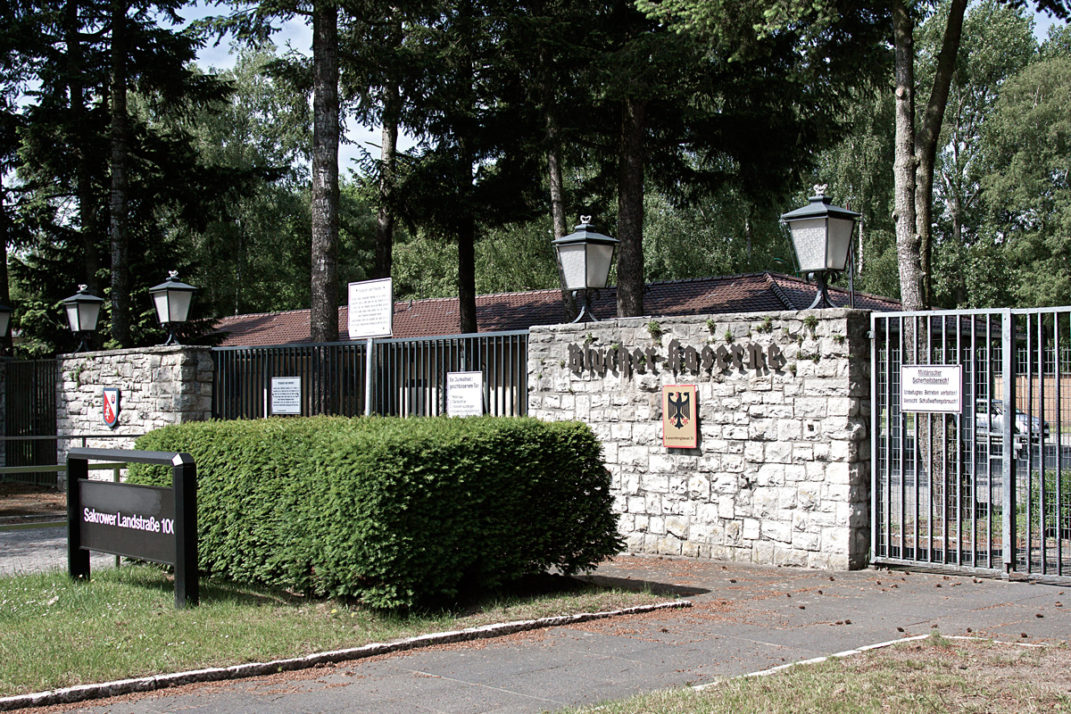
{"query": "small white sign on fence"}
pixel 931 388
pixel 286 395
pixel 464 394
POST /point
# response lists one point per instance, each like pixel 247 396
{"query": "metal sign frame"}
pixel 160 524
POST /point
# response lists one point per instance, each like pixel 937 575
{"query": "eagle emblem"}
pixel 680 408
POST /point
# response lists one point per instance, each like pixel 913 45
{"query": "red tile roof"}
pixel 755 292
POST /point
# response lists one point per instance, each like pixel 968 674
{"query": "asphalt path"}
pixel 33 549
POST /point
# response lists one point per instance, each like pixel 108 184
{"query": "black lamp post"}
pixel 83 312
pixel 821 236
pixel 584 260
pixel 172 300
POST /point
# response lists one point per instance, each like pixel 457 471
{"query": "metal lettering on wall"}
pixel 618 359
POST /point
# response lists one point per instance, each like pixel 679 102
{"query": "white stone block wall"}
pixel 781 473
pixel 157 386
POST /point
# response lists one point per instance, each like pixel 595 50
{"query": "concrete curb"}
pixel 83 692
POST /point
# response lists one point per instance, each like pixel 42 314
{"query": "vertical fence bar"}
pixel 1062 517
pixel 875 436
pixel 1007 464
pixel 970 440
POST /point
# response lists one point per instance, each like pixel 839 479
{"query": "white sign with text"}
pixel 464 394
pixel 371 309
pixel 931 388
pixel 286 395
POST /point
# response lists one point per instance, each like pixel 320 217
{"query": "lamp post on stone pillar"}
pixel 172 301
pixel 83 312
pixel 821 236
pixel 584 260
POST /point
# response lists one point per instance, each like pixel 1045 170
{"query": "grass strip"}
pixel 935 674
pixel 57 633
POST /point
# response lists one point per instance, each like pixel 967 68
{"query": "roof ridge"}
pixel 269 313
pixel 777 290
pixel 841 290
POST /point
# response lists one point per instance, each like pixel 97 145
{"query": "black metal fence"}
pixel 29 415
pixel 409 375
pixel 986 487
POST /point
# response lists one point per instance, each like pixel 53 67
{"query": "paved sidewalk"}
pixel 744 619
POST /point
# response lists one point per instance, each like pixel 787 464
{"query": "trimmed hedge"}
pixel 394 512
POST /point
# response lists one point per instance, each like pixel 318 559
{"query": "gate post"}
pixel 1007 375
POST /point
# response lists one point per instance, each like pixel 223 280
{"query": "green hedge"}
pixel 395 512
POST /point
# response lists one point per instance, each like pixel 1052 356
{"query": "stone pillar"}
pixel 781 474
pixel 157 386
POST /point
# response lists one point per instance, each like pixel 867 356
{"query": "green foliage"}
pixel 997 44
pixel 395 512
pixel 1027 191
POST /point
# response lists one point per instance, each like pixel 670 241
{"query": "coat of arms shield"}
pixel 111 407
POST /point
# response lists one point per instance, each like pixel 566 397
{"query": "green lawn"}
pixel 55 632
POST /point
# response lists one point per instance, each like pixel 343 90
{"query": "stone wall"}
pixel 157 386
pixel 781 472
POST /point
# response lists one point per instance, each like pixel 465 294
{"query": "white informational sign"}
pixel 371 309
pixel 286 395
pixel 464 394
pixel 931 388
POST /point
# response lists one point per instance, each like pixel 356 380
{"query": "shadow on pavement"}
pixel 634 585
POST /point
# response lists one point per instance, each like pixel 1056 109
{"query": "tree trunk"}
pixel 926 143
pixel 466 219
pixel 466 272
pixel 87 214
pixel 466 241
pixel 323 314
pixel 388 163
pixel 120 150
pixel 555 183
pixel 907 239
pixel 630 283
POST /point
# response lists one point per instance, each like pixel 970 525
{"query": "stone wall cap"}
pixel 157 350
pixel 832 313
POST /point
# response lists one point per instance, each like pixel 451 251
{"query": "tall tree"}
pixel 471 169
pixel 253 21
pixel 997 43
pixel 119 143
pixel 253 255
pixel 771 91
pixel 917 134
pixel 108 72
pixel 372 65
pixel 323 313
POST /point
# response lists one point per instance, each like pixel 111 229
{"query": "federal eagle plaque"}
pixel 680 416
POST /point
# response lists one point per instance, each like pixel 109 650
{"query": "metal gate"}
pixel 30 417
pixel 971 440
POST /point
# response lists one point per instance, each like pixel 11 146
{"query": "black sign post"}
pixel 146 522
